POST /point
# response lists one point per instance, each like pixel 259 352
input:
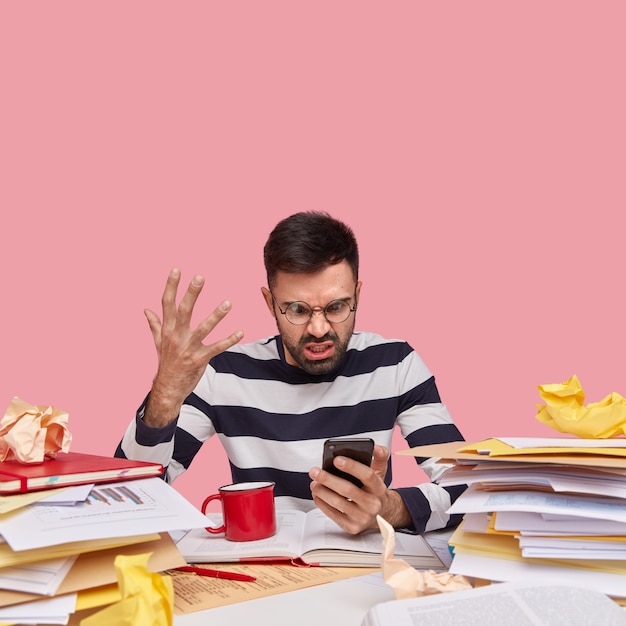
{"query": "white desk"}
pixel 342 602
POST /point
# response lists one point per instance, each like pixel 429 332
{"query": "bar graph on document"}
pixel 126 508
pixel 111 501
pixel 115 495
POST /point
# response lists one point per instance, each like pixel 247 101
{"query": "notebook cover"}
pixel 71 468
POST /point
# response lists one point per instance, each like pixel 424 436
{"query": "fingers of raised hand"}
pixel 199 352
pixel 219 346
pixel 209 323
pixel 168 300
pixel 187 303
pixel 155 326
pixel 175 335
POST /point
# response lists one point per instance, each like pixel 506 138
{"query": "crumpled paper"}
pixel 565 411
pixel 147 597
pixel 406 581
pixel 31 434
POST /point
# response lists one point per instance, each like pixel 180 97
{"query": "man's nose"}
pixel 318 324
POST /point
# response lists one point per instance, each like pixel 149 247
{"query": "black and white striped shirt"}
pixel 272 418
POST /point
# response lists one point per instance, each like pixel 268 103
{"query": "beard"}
pixel 325 366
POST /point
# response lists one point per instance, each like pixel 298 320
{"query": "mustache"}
pixel 330 336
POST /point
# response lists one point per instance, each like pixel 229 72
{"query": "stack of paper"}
pixel 61 544
pixel 539 509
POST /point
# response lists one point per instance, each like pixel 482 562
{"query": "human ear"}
pixel 269 301
pixel 357 292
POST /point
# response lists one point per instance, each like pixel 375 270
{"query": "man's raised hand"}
pixel 182 355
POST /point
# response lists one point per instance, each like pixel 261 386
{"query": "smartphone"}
pixel 360 449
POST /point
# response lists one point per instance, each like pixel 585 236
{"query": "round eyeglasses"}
pixel 300 313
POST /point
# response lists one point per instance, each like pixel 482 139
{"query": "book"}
pixel 522 603
pixel 308 538
pixel 71 468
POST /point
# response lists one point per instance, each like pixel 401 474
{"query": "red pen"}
pixel 215 573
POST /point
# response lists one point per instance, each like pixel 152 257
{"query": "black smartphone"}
pixel 360 449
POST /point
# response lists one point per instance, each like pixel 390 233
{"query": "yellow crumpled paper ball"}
pixel 147 597
pixel 31 434
pixel 565 411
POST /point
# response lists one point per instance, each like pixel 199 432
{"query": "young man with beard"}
pixel 274 402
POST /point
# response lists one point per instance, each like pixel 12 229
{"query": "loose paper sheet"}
pixel 476 500
pixel 42 577
pixel 502 569
pixel 95 571
pixel 113 510
pixel 48 611
pixel 17 501
pixel 196 593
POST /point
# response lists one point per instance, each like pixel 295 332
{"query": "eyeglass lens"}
pixel 300 312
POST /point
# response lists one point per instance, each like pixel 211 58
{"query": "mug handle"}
pixel 210 529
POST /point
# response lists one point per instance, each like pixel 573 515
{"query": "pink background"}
pixel 477 149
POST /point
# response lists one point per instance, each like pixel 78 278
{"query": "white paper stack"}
pixel 539 509
pixel 58 548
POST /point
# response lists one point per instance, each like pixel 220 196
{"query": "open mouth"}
pixel 319 351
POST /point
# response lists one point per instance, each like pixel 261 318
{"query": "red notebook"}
pixel 71 468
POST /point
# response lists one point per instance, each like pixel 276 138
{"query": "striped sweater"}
pixel 272 418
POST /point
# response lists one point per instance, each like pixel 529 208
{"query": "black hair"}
pixel 308 242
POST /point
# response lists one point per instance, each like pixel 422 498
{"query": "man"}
pixel 273 402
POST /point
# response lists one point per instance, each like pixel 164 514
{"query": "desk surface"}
pixel 342 602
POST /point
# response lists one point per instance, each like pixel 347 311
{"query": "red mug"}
pixel 248 509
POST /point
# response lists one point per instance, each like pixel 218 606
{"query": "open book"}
pixel 521 603
pixel 310 537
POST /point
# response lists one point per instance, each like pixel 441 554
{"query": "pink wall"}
pixel 478 150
